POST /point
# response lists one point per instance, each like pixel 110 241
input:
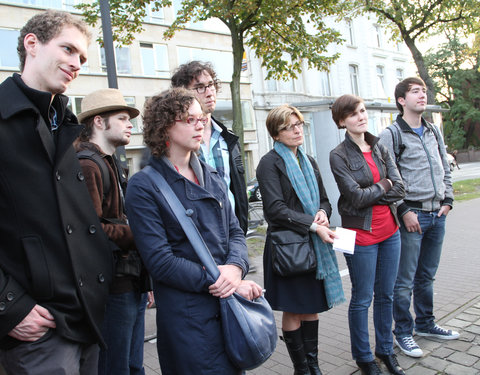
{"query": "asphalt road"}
pixel 467 171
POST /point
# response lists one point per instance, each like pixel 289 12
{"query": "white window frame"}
pixel 378 36
pixel 160 71
pixel 380 79
pixel 103 62
pixel 152 16
pixel 353 71
pixel 351 33
pixel 399 74
pixel 12 53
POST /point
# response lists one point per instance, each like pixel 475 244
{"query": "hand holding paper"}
pixel 345 241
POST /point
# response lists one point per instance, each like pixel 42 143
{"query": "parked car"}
pixel 253 192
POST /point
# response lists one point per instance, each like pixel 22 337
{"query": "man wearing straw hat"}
pixel 107 126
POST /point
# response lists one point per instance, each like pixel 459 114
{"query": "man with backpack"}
pixel 107 126
pixel 421 158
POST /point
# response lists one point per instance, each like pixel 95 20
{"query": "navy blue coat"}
pixel 189 338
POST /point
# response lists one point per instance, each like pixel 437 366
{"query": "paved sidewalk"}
pixel 457 306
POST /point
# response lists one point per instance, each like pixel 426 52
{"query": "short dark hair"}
pixel 160 113
pixel 186 73
pixel 343 107
pixel 403 87
pixel 46 26
pixel 87 132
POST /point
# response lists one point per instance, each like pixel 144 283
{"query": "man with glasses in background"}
pixel 220 148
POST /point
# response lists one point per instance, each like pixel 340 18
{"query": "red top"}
pixel 383 223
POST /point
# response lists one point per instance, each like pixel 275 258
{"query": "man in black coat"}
pixel 55 261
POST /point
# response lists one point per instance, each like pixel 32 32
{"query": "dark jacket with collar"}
pixel 237 176
pixel 187 314
pixel 281 205
pixel 358 193
pixel 52 250
pixel 110 209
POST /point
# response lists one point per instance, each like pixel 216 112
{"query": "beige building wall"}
pixel 207 41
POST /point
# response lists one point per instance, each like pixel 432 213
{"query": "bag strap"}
pixel 398 145
pixel 97 159
pixel 186 222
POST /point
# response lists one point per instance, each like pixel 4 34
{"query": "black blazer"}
pixel 53 251
pixel 281 205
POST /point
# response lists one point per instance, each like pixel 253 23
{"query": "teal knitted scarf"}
pixel 304 182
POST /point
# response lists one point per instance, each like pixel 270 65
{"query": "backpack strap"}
pixel 93 156
pixel 437 135
pixel 398 145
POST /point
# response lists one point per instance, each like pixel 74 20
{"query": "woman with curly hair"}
pixel 189 335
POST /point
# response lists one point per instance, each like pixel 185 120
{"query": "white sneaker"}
pixel 439 333
pixel 408 346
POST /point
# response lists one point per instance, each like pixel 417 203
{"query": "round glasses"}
pixel 202 89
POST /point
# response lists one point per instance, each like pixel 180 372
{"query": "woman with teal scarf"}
pixel 294 198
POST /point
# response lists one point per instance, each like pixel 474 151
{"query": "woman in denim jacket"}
pixel 369 185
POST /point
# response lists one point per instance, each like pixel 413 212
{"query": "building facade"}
pixel 370 65
pixel 144 68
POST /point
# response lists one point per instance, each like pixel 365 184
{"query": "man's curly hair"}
pixel 46 26
pixel 186 73
pixel 160 113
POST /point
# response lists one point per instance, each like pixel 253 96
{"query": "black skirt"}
pixel 302 294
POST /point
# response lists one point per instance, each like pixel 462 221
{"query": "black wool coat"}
pixel 53 251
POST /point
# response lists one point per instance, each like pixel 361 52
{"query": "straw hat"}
pixel 105 100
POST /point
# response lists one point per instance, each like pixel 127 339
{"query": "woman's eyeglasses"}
pixel 192 121
pixel 290 127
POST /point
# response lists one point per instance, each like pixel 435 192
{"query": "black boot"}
pixel 369 368
pixel 310 345
pixel 391 362
pixel 294 342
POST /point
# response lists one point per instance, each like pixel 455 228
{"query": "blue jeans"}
pixel 418 265
pixel 123 330
pixel 373 270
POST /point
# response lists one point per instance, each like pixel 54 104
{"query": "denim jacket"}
pixel 358 193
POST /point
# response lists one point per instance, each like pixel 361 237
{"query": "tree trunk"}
pixel 422 69
pixel 237 46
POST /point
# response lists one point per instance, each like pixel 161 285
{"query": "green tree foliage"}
pixel 443 61
pixel 454 67
pixel 413 21
pixel 284 34
pixel 464 115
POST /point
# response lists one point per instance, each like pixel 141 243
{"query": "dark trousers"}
pixel 52 355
